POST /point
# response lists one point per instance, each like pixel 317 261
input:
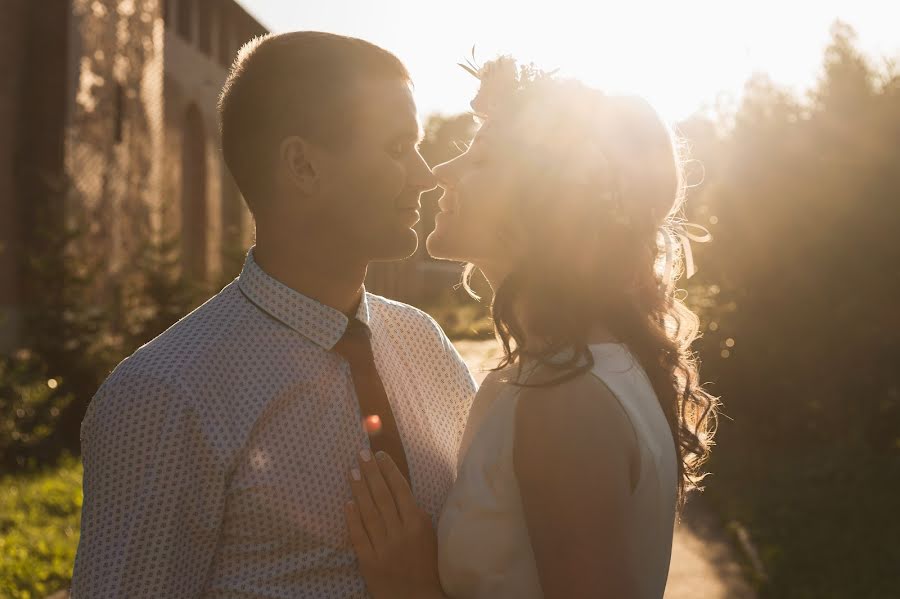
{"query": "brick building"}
pixel 108 108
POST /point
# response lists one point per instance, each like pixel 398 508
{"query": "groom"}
pixel 216 457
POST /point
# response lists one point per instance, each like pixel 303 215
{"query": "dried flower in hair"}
pixel 501 80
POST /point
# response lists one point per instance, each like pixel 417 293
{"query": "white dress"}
pixel 483 545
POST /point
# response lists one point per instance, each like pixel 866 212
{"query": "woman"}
pixel 580 447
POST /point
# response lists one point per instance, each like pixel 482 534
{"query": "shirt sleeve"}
pixel 153 493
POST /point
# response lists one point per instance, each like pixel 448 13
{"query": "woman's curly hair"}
pixel 598 205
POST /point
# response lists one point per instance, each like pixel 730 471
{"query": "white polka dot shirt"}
pixel 216 457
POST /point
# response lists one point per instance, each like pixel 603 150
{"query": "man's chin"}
pixel 400 247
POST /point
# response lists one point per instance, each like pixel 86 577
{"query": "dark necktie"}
pixel 356 347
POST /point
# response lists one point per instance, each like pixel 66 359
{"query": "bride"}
pixel 581 445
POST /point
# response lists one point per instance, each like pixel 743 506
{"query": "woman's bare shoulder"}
pixel 576 417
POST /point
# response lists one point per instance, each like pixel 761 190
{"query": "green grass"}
pixel 40 520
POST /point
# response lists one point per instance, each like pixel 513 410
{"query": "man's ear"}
pixel 297 159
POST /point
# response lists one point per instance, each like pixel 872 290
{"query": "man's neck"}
pixel 334 281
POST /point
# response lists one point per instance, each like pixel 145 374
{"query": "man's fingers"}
pixel 398 485
pixel 368 513
pixel 359 539
pixel 381 494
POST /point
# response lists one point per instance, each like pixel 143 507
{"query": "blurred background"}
pixel 117 217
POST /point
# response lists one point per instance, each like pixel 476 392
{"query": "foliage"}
pixel 79 323
pixel 157 294
pixel 30 403
pixel 69 336
pixel 460 317
pixel 40 518
pixel 445 137
pixel 803 341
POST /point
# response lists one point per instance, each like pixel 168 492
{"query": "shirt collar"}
pixel 319 323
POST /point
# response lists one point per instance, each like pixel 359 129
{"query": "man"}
pixel 216 457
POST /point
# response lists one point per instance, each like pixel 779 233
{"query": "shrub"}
pixel 30 403
pixel 40 519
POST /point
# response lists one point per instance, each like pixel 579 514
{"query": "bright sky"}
pixel 681 55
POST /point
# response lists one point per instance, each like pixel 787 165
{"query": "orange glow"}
pixel 372 424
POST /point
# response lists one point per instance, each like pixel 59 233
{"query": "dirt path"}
pixel 704 563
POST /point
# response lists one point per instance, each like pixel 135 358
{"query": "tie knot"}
pixel 355 338
pixel 356 327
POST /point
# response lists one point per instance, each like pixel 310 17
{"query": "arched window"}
pixel 194 222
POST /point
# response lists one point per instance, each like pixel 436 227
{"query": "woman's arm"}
pixel 575 455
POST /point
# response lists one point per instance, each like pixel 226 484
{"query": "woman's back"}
pixel 484 544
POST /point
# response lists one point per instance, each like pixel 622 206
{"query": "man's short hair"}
pixel 299 83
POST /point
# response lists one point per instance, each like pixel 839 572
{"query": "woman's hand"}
pixel 393 538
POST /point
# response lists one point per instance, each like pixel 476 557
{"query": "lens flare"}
pixel 372 424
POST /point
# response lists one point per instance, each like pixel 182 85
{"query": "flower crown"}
pixel 501 81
